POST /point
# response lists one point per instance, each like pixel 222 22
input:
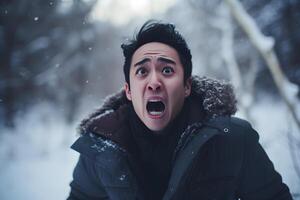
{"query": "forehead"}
pixel 155 49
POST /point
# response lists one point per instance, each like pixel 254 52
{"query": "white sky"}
pixel 121 12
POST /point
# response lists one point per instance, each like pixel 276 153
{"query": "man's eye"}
pixel 141 71
pixel 168 70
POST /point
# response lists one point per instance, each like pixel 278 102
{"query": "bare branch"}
pixel 265 45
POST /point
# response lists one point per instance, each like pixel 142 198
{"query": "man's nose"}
pixel 154 82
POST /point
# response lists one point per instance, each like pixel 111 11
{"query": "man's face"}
pixel 157 89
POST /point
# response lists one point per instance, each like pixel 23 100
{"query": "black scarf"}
pixel 155 151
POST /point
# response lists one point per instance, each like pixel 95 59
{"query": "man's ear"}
pixel 188 87
pixel 127 91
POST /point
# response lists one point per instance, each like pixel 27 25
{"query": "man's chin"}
pixel 156 127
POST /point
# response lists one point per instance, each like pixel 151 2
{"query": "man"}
pixel 169 135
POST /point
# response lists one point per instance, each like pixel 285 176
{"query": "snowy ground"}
pixel 36 162
pixel 35 159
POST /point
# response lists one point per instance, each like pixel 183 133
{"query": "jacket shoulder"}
pixel 231 125
pixel 109 163
pixel 92 146
pixel 234 132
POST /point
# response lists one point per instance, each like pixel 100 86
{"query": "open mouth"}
pixel 155 107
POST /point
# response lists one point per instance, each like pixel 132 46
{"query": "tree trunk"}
pixel 8 88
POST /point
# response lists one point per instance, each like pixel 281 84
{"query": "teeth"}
pixel 155 112
pixel 154 100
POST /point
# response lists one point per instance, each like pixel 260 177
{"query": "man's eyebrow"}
pixel 142 62
pixel 166 60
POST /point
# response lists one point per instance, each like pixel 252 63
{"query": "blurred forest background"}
pixel 60 58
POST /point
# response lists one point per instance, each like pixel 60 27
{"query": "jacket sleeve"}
pixel 259 180
pixel 85 184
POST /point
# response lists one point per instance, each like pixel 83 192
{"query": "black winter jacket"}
pixel 219 158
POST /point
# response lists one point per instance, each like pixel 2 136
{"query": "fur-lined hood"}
pixel 216 97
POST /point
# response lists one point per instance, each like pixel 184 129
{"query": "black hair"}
pixel 156 31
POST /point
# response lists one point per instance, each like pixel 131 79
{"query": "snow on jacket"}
pixel 219 158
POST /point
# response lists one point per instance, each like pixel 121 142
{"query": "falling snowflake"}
pixel 122 177
pixel 36 18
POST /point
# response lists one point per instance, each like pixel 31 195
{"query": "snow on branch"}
pixel 265 46
pixel 261 42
